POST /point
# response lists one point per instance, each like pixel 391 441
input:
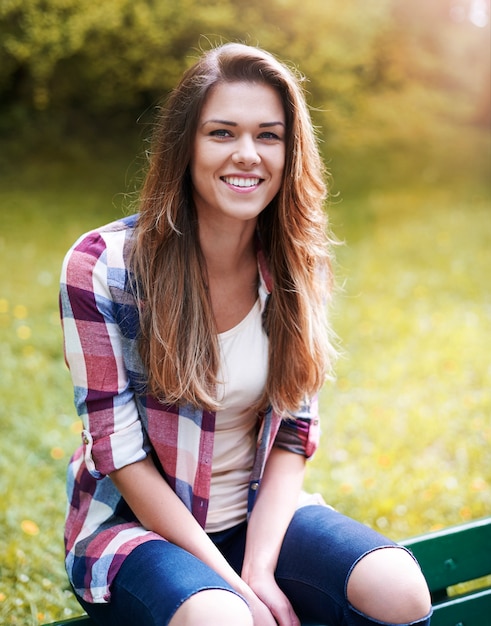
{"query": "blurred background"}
pixel 400 93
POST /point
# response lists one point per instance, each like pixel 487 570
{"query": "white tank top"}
pixel 243 370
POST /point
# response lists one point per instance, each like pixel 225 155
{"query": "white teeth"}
pixel 241 182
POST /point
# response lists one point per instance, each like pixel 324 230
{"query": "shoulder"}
pixel 101 250
pixel 110 236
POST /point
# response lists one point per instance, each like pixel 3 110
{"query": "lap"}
pixel 320 548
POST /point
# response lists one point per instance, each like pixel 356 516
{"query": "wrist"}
pixel 259 562
pixel 256 571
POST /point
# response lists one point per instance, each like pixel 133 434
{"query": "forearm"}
pixel 159 509
pixel 273 511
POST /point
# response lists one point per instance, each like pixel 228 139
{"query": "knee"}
pixel 213 607
pixel 387 585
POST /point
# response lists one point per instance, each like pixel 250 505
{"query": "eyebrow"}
pixel 227 123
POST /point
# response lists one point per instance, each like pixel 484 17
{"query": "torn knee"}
pixel 387 585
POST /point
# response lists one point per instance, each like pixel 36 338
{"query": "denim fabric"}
pixel 154 580
pixel 320 549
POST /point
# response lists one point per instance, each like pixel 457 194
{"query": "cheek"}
pixel 204 159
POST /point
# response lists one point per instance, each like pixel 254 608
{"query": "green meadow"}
pixel 406 423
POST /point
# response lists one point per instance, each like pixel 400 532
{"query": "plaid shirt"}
pixel 123 424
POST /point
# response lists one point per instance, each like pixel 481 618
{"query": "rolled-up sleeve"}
pixel 300 432
pixel 113 434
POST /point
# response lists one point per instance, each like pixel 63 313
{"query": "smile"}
pixel 241 182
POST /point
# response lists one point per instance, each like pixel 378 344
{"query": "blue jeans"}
pixel 319 551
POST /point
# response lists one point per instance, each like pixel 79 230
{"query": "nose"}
pixel 246 153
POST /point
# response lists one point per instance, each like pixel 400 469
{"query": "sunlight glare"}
pixel 474 11
pixel 478 13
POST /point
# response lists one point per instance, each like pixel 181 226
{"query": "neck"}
pixel 227 250
pixel 231 269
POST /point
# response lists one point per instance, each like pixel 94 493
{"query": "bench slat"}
pixel 471 611
pixel 454 555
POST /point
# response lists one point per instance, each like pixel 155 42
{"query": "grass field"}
pixel 406 425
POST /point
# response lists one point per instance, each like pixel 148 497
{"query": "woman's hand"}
pixel 273 600
pixel 261 615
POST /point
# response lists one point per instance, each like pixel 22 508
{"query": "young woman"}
pixel 195 334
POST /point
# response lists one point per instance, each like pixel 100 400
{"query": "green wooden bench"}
pixel 453 560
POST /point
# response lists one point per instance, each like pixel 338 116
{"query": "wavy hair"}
pixel 178 342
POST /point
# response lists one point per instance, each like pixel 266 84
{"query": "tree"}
pixel 382 73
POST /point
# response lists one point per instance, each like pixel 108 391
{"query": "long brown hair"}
pixel 178 342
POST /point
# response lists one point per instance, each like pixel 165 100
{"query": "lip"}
pixel 242 183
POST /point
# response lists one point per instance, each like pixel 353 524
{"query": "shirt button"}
pixel 254 486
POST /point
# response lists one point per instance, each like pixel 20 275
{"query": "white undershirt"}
pixel 243 370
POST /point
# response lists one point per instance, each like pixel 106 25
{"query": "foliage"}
pixel 401 70
pixel 98 58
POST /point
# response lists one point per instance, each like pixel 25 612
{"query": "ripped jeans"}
pixel 319 551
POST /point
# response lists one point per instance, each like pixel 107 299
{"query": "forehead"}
pixel 243 100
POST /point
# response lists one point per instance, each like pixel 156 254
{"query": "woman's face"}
pixel 239 151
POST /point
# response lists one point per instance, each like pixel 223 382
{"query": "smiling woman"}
pixel 236 171
pixel 196 336
pixel 238 156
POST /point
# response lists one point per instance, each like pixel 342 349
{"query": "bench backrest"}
pixel 460 555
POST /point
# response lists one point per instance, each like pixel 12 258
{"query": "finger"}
pixel 284 614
